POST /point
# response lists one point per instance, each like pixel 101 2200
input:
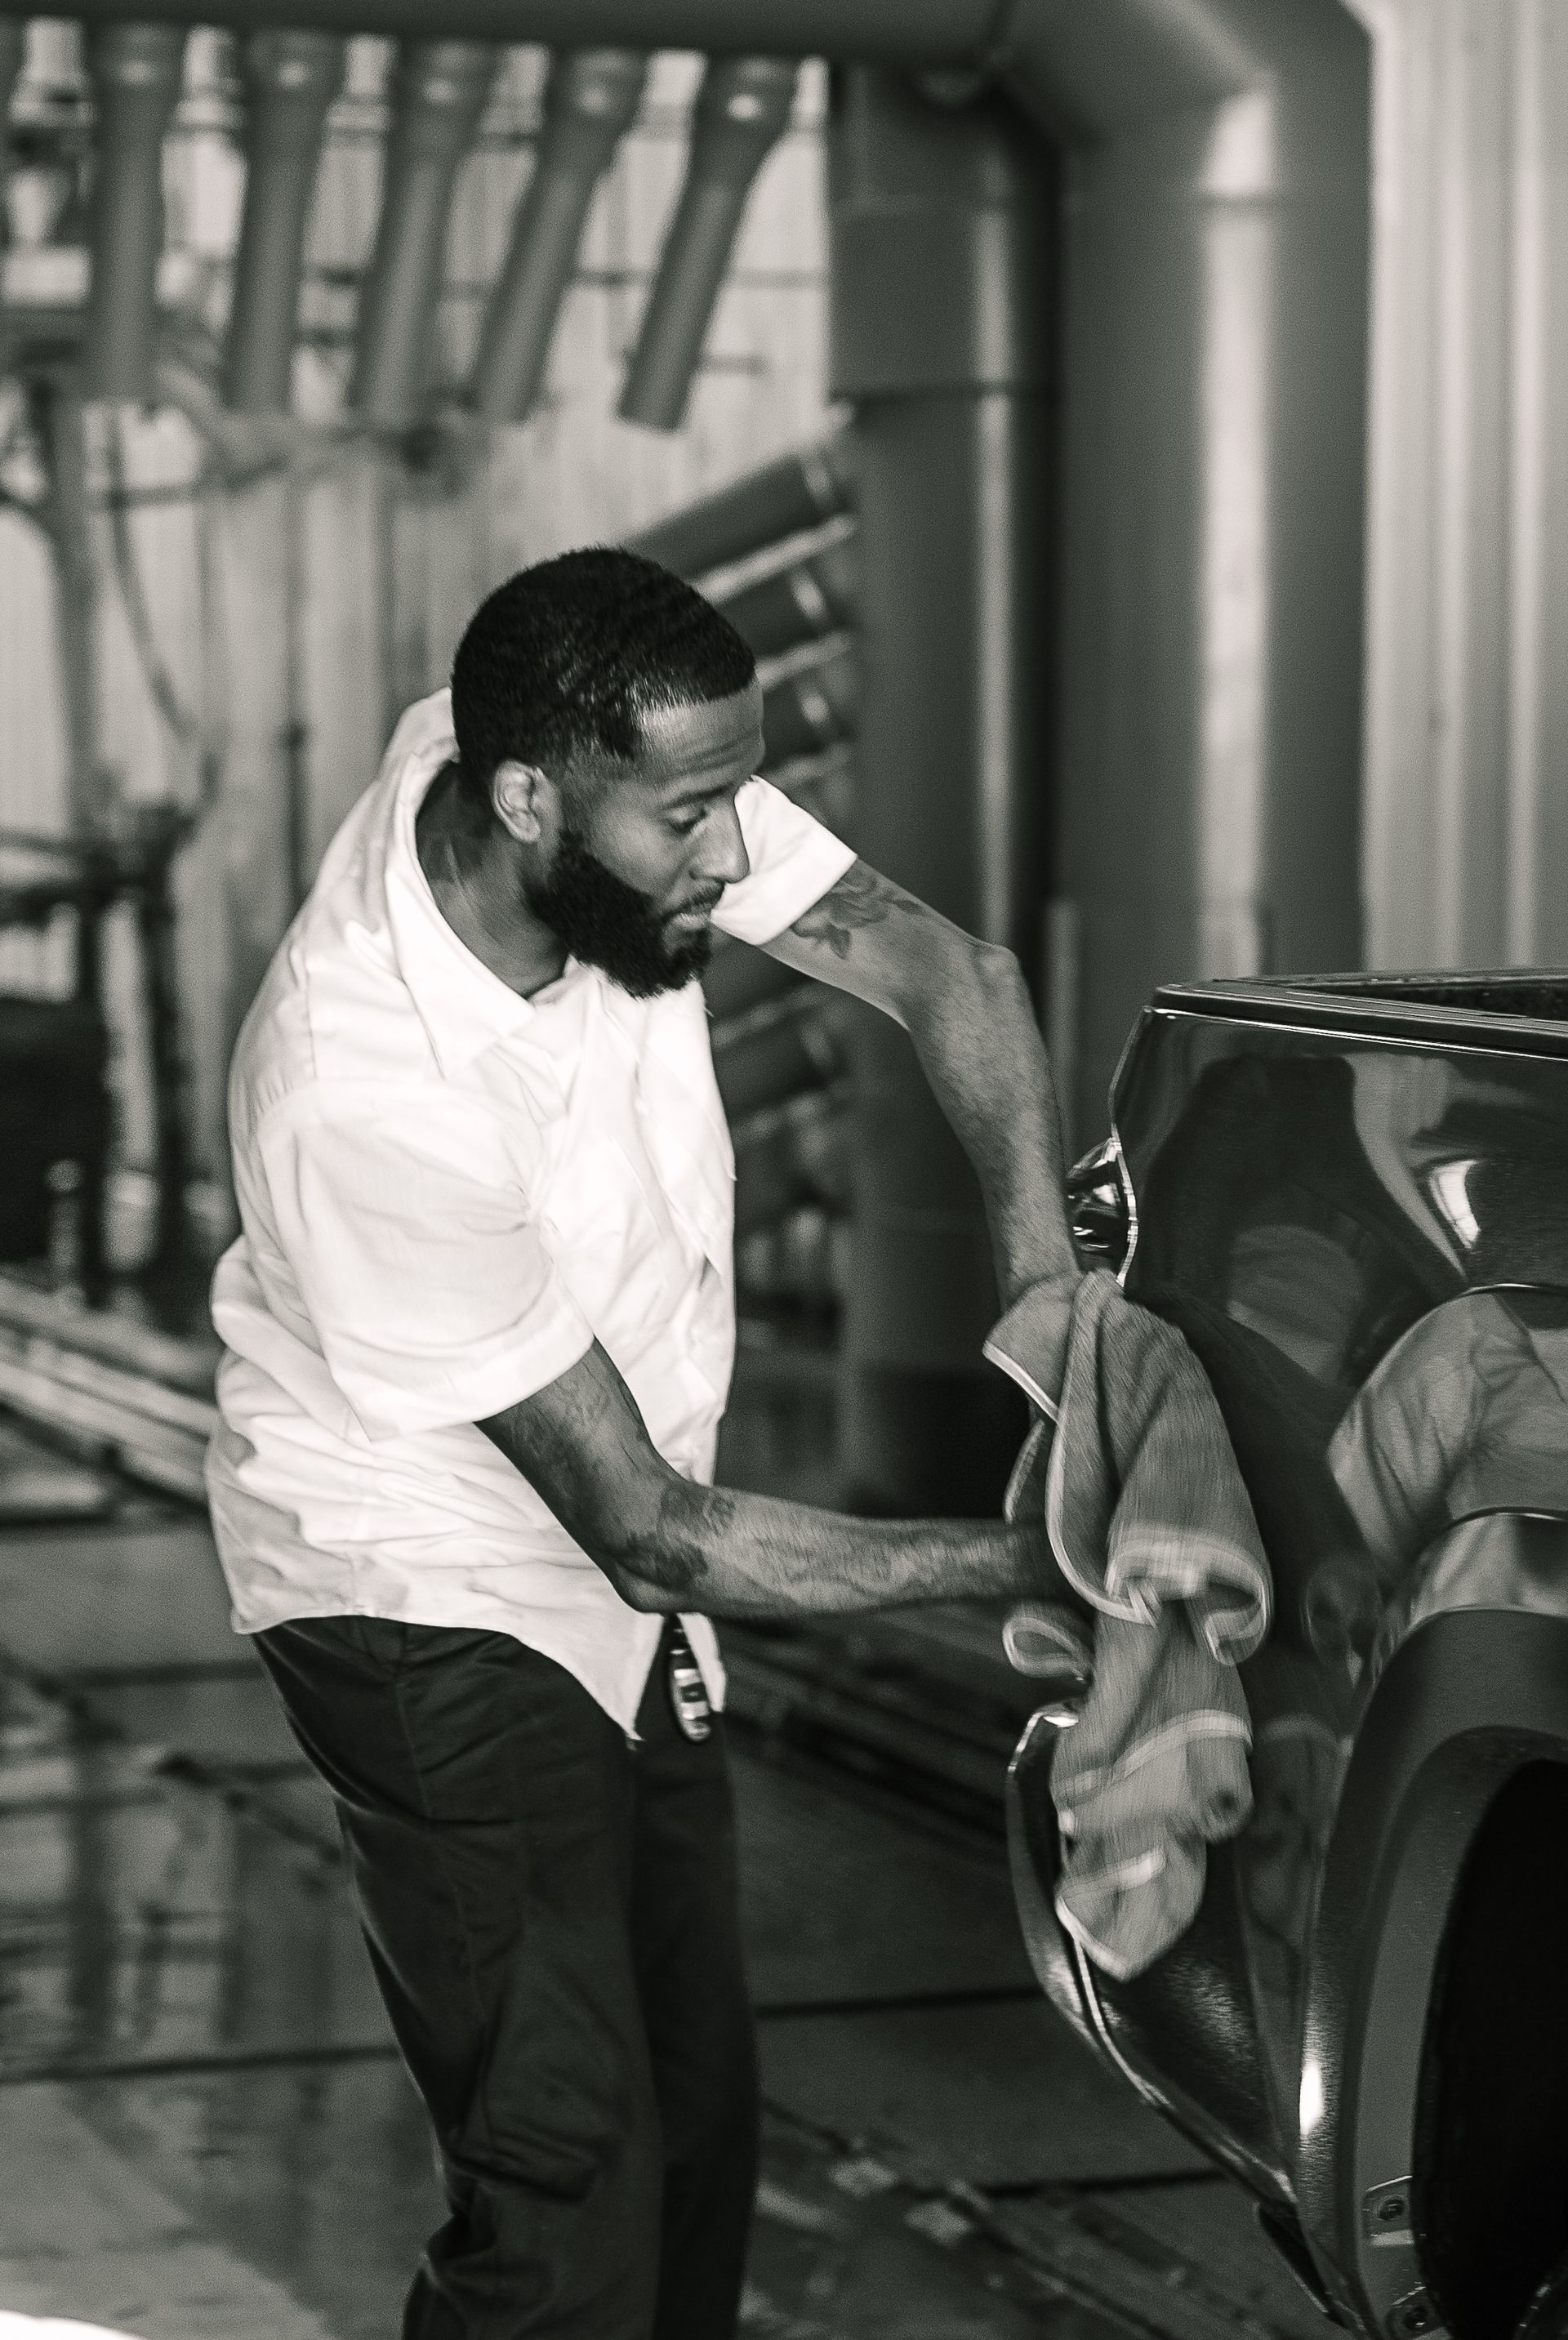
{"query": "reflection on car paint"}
pixel 1467 1413
pixel 1365 1242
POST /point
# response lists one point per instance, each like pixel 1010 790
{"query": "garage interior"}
pixel 1131 444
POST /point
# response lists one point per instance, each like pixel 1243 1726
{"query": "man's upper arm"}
pixel 809 902
pixel 866 935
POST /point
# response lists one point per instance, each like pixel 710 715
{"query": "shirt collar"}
pixel 464 1006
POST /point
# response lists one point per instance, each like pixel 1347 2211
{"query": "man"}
pixel 479 1332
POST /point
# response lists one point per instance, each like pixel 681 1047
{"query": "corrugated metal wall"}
pixel 1466 807
pixel 336 569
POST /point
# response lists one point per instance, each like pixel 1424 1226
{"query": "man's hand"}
pixel 966 1008
pixel 667 1544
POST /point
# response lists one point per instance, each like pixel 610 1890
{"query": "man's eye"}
pixel 690 824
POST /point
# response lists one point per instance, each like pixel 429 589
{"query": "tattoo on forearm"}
pixel 860 899
pixel 666 1542
pixel 690 1518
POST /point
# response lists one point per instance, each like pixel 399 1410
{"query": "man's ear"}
pixel 523 799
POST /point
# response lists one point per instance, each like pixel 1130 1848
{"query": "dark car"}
pixel 1351 1195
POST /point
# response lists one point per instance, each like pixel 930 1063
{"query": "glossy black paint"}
pixel 1434 2007
pixel 1316 1181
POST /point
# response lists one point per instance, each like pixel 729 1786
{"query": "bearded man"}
pixel 479 1328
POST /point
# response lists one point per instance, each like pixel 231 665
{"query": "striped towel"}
pixel 1151 1525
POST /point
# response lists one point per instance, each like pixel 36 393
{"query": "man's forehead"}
pixel 703 739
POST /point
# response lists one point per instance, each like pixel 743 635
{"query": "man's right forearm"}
pixel 735 1555
pixel 667 1543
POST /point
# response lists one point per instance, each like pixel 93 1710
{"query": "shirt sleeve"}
pixel 794 861
pixel 408 1237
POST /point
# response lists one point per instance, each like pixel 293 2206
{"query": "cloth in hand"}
pixel 1151 1525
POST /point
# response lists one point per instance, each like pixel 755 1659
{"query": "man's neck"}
pixel 470 868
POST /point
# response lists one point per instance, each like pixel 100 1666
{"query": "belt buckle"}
pixel 687 1691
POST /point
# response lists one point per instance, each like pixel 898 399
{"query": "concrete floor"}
pixel 204 2131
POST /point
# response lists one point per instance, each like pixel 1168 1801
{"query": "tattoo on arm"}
pixel 581 1443
pixel 689 1516
pixel 860 899
pixel 666 1542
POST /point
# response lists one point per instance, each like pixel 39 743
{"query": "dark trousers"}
pixel 552 1914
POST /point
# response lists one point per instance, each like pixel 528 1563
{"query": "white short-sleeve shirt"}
pixel 446 1193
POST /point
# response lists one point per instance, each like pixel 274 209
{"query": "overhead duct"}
pixel 798 603
pixel 1093 73
pixel 778 499
pixel 135 72
pixel 812 709
pixel 590 101
pixel 440 89
pixel 291 79
pixel 742 110
pixel 916 32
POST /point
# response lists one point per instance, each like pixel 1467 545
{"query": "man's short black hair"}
pixel 565 658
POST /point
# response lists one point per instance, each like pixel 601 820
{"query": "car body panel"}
pixel 1351 1195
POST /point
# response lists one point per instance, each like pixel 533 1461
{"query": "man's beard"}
pixel 608 924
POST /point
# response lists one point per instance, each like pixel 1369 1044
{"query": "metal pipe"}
pixel 800 1260
pixel 812 709
pixel 13 52
pixel 1089 71
pixel 440 89
pixel 943 226
pixel 798 603
pixel 590 101
pixel 291 79
pixel 1078 70
pixel 933 32
pixel 135 70
pixel 792 1152
pixel 779 499
pixel 823 783
pixel 742 110
pixel 775 1058
pixel 1212 547
pixel 739 979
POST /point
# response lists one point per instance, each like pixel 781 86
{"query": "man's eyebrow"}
pixel 698 792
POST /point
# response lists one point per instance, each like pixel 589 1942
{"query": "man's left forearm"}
pixel 981 1051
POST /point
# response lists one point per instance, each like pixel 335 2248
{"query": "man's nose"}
pixel 726 859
